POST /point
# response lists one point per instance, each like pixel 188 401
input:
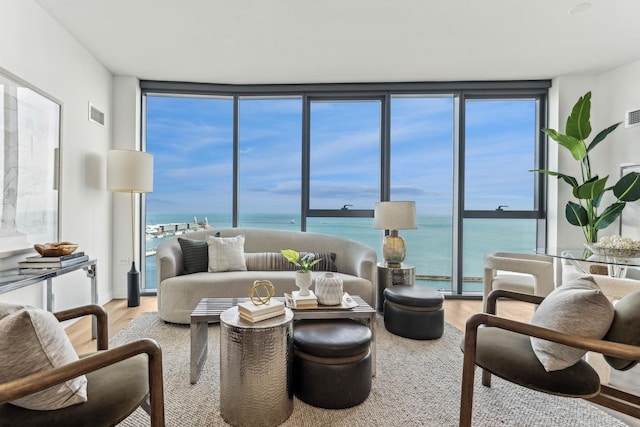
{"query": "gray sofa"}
pixel 179 293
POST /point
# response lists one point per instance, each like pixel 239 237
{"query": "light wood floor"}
pixel 456 312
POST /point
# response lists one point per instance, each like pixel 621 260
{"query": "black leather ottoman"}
pixel 414 312
pixel 331 362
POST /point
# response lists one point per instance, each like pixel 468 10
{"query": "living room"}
pixel 38 49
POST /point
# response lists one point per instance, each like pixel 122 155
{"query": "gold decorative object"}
pixel 255 293
pixel 55 249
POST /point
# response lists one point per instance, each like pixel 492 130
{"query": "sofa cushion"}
pixel 195 255
pixel 578 307
pixel 275 261
pixel 226 253
pixel 32 340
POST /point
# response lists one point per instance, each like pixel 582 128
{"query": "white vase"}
pixel 303 282
pixel 329 289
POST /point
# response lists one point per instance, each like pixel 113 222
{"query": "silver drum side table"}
pixel 405 274
pixel 256 369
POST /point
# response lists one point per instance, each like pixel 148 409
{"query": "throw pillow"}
pixel 226 253
pixel 32 340
pixel 577 307
pixel 275 261
pixel 195 255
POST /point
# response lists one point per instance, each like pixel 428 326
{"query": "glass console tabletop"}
pixel 617 265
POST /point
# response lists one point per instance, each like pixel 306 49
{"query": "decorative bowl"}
pixel 55 249
pixel 613 252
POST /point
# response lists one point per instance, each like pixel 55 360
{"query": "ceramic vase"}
pixel 303 282
pixel 329 289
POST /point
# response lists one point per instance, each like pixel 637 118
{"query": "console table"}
pixel 616 265
pixel 13 279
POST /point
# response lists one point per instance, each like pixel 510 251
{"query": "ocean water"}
pixel 429 247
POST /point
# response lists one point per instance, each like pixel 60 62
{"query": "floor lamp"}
pixel 130 171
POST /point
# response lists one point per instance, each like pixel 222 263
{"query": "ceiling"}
pixel 304 41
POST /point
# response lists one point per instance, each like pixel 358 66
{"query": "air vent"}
pixel 95 115
pixel 632 118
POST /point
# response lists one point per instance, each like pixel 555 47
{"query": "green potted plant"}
pixel 590 189
pixel 303 276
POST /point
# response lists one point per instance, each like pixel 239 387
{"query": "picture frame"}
pixel 30 123
pixel 630 217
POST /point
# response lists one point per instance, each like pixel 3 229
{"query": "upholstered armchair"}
pixel 526 273
pixel 503 347
pixel 118 380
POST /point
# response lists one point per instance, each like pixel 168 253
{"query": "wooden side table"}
pixel 405 274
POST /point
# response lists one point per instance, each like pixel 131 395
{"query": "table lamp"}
pixel 394 216
pixel 130 171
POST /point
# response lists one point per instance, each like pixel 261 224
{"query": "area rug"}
pixel 417 384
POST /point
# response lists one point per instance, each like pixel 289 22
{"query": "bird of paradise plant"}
pixel 591 188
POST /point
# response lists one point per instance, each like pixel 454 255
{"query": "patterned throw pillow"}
pixel 275 261
pixel 578 307
pixel 195 255
pixel 226 253
pixel 32 340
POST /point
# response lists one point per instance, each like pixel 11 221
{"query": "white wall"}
pixel 613 93
pixel 35 48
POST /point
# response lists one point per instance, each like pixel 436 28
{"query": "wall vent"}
pixel 632 118
pixel 95 115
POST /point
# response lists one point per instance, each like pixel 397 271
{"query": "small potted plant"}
pixel 303 275
pixel 590 190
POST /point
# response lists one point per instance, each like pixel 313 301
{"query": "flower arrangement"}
pixel 305 263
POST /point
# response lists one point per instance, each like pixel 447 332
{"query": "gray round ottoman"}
pixel 331 362
pixel 414 312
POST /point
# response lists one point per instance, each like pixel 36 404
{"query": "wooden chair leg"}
pixel 486 378
pixel 466 396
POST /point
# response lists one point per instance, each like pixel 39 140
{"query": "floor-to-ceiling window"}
pixel 317 158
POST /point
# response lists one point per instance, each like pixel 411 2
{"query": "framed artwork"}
pixel 29 172
pixel 630 217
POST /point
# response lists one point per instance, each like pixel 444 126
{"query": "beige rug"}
pixel 417 384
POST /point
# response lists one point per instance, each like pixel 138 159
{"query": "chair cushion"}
pixel 509 355
pixel 115 391
pixel 624 328
pixel 226 253
pixel 577 307
pixel 32 340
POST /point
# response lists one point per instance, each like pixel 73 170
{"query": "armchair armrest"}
pixel 609 348
pixel 42 380
pixel 101 316
pixel 493 296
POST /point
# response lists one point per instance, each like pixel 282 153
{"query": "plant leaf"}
pixel 568 179
pixel 291 255
pixel 591 189
pixel 578 122
pixel 576 214
pixel 609 215
pixel 602 135
pixel 627 189
pixel 575 146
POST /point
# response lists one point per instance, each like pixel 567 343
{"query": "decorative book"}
pixel 255 313
pixel 306 301
pixel 46 262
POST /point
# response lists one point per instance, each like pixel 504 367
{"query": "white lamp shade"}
pixel 395 215
pixel 129 171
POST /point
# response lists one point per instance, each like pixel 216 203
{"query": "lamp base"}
pixel 393 249
pixel 133 286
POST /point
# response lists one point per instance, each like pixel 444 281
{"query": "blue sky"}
pixel 191 140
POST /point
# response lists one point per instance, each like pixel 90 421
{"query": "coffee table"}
pixel 208 311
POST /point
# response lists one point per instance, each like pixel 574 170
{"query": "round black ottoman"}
pixel 331 362
pixel 413 312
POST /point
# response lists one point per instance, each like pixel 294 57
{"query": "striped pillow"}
pixel 195 255
pixel 275 261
